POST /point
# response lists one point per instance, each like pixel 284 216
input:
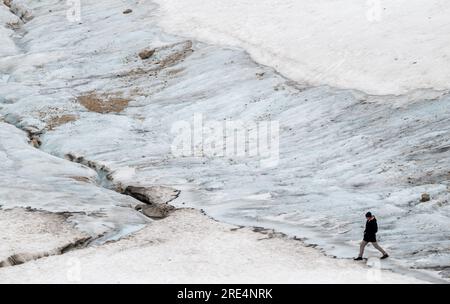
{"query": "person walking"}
pixel 370 237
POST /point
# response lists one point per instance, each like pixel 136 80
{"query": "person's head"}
pixel 369 215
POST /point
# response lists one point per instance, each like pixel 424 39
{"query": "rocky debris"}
pixel 14 25
pixel 173 54
pixel 82 179
pixel 57 121
pixel 7 2
pixel 19 9
pixel 93 165
pixel 80 160
pixel 33 134
pixel 35 141
pixel 270 233
pixel 155 211
pixel 160 59
pixel 260 75
pixel 127 11
pixel 153 194
pixel 18 259
pixel 425 197
pixel 145 54
pixel 21 258
pixel 155 199
pixel 78 244
pixel 103 103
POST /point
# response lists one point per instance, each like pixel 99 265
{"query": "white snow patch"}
pixel 380 47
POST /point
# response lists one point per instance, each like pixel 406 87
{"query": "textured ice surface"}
pixel 32 178
pixel 341 152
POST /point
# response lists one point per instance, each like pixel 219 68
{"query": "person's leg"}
pixel 375 244
pixel 361 248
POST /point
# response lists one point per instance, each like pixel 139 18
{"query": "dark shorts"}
pixel 371 238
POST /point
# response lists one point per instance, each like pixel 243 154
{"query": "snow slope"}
pixel 342 152
pixel 190 248
pixel 377 46
pixel 34 234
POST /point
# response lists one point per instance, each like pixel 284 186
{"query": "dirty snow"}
pixel 34 234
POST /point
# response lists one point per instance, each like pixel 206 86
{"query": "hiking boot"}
pixel 384 256
pixel 358 259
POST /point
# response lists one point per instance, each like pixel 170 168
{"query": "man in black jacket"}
pixel 370 237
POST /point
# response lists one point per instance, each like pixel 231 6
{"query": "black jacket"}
pixel 371 230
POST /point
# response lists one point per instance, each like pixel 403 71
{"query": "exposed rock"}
pixel 425 197
pixel 35 141
pixel 156 211
pixel 156 200
pixel 152 195
pixel 145 54
pixel 128 11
